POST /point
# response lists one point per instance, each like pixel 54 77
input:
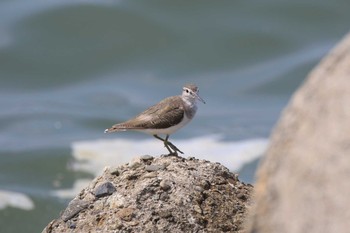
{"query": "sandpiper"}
pixel 166 117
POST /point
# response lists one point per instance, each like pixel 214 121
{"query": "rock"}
pixel 136 162
pixel 74 207
pixel 153 168
pixel 115 172
pixel 104 189
pixel 302 182
pixel 147 157
pixel 164 202
pixel 126 214
pixel 165 185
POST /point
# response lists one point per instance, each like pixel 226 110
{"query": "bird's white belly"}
pixel 169 130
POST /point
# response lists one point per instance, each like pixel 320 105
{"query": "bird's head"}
pixel 190 92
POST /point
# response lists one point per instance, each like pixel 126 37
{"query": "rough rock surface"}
pixel 165 194
pixel 303 182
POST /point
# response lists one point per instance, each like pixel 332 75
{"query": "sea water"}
pixel 70 69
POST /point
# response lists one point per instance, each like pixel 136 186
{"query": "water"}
pixel 70 69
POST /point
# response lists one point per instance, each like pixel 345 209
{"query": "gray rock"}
pixel 115 172
pixel 147 157
pixel 153 168
pixel 303 181
pixel 104 189
pixel 74 207
pixel 165 185
pixel 166 202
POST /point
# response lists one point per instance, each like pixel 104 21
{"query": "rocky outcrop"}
pixel 302 183
pixel 165 194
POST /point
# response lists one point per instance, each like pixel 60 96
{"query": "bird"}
pixel 165 117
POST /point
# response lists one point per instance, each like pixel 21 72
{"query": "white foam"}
pixel 16 200
pixel 69 193
pixel 93 156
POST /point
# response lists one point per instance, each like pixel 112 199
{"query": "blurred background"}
pixel 70 69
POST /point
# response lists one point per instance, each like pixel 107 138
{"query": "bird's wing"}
pixel 165 114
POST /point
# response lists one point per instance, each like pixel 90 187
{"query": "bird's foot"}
pixel 172 149
pixel 173 153
pixel 175 149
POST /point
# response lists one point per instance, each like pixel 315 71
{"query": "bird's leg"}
pixel 165 144
pixel 169 145
pixel 172 145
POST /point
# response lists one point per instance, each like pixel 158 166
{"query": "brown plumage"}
pixel 166 113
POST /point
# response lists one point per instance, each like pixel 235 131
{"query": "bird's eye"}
pixel 186 91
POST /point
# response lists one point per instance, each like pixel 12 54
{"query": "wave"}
pixel 93 156
pixel 15 200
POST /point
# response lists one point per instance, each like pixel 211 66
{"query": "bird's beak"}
pixel 200 98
